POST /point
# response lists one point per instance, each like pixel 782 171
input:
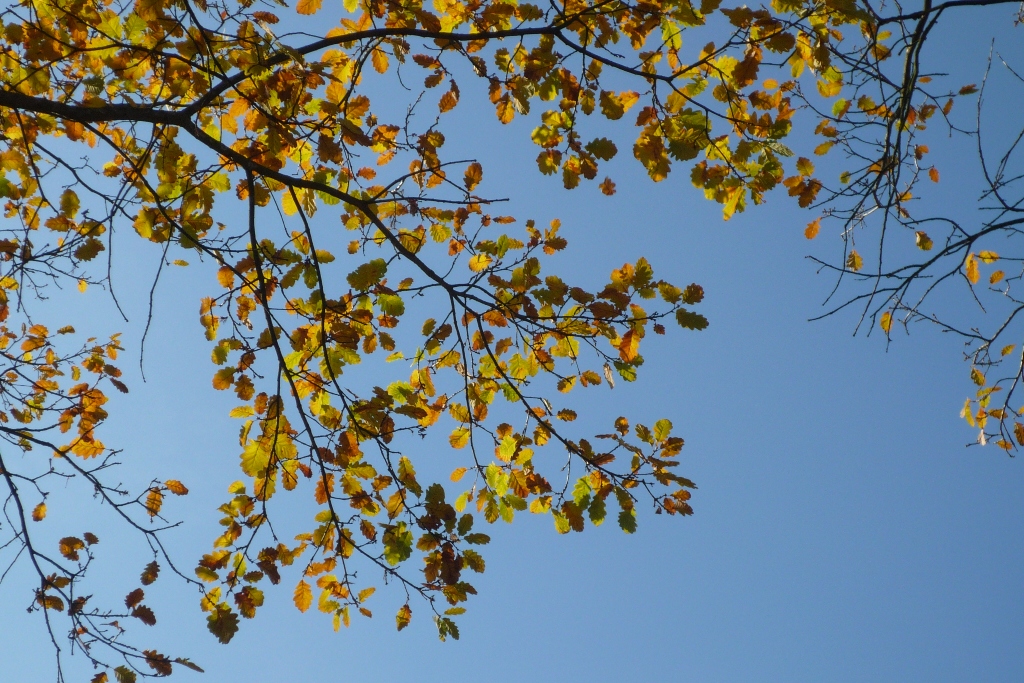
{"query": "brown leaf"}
pixel 159 663
pixel 145 615
pixel 150 573
pixel 134 598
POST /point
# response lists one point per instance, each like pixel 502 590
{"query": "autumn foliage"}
pixel 333 229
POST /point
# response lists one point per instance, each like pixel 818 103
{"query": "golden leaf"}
pixel 886 322
pixel 403 617
pixel 971 269
pixel 449 100
pixel 924 242
pixel 479 262
pixel 176 487
pixel 303 597
pixel 39 512
pixel 69 547
pixel 474 174
pixel 308 6
pixel 854 261
pixel 629 345
pixel 226 277
pixel 380 61
pixel 811 231
pixel 988 256
pixel 154 501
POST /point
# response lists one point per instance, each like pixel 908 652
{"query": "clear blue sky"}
pixel 842 532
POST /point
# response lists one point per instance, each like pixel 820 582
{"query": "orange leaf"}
pixel 811 231
pixel 308 6
pixel 176 487
pixel 629 345
pixel 303 597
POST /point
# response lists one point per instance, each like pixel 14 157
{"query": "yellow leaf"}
pixel 988 256
pixel 933 173
pixel 380 62
pixel 971 269
pixel 403 617
pixel 614 106
pixel 854 262
pixel 226 277
pixel 996 276
pixel 924 242
pixel 1007 350
pixel 288 204
pixel 967 414
pixel 154 501
pixel 82 285
pixel 303 597
pixel 458 473
pixel 977 377
pixel 69 547
pixel 223 378
pixel 811 231
pixel 176 487
pixel 459 438
pixel 506 112
pixel 886 322
pixel 479 262
pixel 308 6
pixel 39 512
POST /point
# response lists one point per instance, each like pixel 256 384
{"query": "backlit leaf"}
pixel 303 596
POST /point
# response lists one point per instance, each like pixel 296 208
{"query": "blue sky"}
pixel 842 530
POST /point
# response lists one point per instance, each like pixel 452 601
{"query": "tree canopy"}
pixel 298 157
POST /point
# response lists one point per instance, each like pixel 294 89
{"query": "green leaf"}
pixel 223 623
pixel 367 275
pixel 691 320
pixel 89 249
pixel 561 523
pixel 627 521
pixel 597 511
pixel 662 428
pixel 392 304
pixel 397 544
pixel 602 148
